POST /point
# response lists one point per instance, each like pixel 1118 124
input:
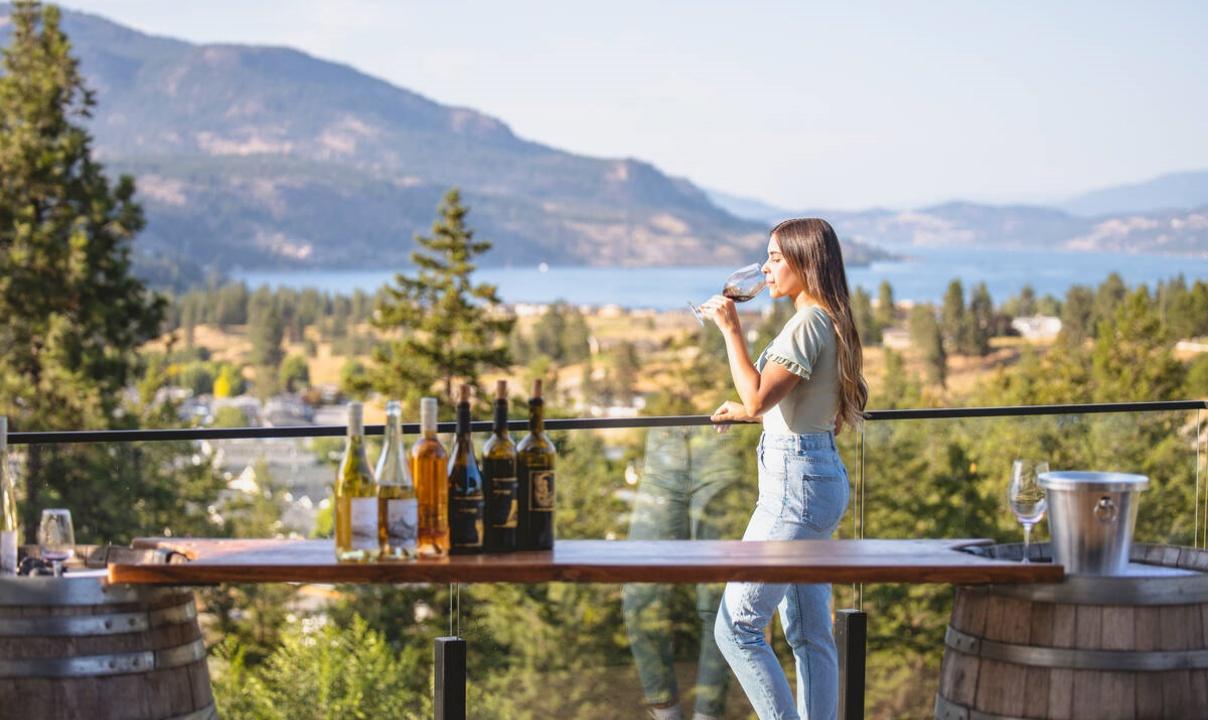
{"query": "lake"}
pixel 924 276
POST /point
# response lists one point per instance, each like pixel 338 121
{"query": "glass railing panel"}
pixel 586 650
pixel 948 478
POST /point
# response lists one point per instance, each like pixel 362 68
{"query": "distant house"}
pixel 896 338
pixel 1037 327
pixel 1194 346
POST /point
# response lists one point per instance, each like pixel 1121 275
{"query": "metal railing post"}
pixel 449 691
pixel 851 639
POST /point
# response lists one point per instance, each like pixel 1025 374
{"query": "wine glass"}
pixel 1026 497
pixel 56 538
pixel 742 285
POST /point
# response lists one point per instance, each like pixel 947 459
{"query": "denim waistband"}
pixel 805 441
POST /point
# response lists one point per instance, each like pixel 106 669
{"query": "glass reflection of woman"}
pixel 806 386
pixel 686 473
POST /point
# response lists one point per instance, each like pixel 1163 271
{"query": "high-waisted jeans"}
pixel 803 493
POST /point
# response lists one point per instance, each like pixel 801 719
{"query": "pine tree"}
pixel 1077 315
pixel 74 313
pixel 451 328
pixel 981 320
pixel 953 323
pixel 886 309
pixel 927 337
pixel 866 321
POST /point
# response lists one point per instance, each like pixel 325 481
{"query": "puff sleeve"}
pixel 799 343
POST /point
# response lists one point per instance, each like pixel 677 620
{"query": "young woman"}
pixel 806 386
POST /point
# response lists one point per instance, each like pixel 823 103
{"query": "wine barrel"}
pixel 75 647
pixel 1133 646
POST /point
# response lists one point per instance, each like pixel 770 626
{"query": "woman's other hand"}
pixel 728 412
pixel 722 310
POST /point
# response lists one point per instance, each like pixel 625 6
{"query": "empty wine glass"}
pixel 56 538
pixel 1026 497
pixel 742 285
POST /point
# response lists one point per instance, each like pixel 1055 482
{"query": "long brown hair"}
pixel 811 248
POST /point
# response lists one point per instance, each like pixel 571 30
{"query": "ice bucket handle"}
pixel 1105 510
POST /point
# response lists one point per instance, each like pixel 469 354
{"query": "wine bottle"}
pixel 535 465
pixel 499 476
pixel 356 497
pixel 428 466
pixel 8 517
pixel 398 510
pixel 466 504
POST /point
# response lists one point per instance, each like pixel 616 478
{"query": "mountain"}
pixel 1177 232
pixel 746 207
pixel 1183 190
pixel 266 157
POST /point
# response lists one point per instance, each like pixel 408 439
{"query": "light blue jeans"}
pixel 803 493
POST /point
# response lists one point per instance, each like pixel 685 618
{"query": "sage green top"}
pixel 806 347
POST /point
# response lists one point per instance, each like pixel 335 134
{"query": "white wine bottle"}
pixel 356 497
pixel 8 520
pixel 398 508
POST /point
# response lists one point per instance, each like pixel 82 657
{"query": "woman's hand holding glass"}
pixel 722 310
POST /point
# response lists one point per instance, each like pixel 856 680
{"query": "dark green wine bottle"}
pixel 499 475
pixel 535 465
pixel 465 485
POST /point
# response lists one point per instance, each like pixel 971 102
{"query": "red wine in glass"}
pixel 742 285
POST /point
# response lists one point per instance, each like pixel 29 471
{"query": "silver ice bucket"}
pixel 1091 519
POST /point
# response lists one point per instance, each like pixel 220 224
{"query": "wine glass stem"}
pixel 1027 540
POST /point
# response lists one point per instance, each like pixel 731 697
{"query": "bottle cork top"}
pixel 536 388
pixel 501 390
pixel 463 393
pixel 427 414
pixel 356 418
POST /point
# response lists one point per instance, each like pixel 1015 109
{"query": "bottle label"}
pixel 502 506
pixel 541 492
pixel 402 523
pixel 465 521
pixel 364 519
pixel 8 552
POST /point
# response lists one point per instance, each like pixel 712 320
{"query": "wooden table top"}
pixel 593 561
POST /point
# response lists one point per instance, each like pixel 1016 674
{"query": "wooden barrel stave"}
pixel 171 682
pixel 1005 660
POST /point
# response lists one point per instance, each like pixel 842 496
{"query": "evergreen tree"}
pixel 266 330
pixel 1108 297
pixel 886 309
pixel 1025 304
pixel 927 337
pixel 295 374
pixel 625 368
pixel 74 314
pixel 981 320
pixel 866 321
pixel 1132 358
pixel 953 324
pixel 549 331
pixel 451 328
pixel 1077 315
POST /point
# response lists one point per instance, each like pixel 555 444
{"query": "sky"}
pixel 806 105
